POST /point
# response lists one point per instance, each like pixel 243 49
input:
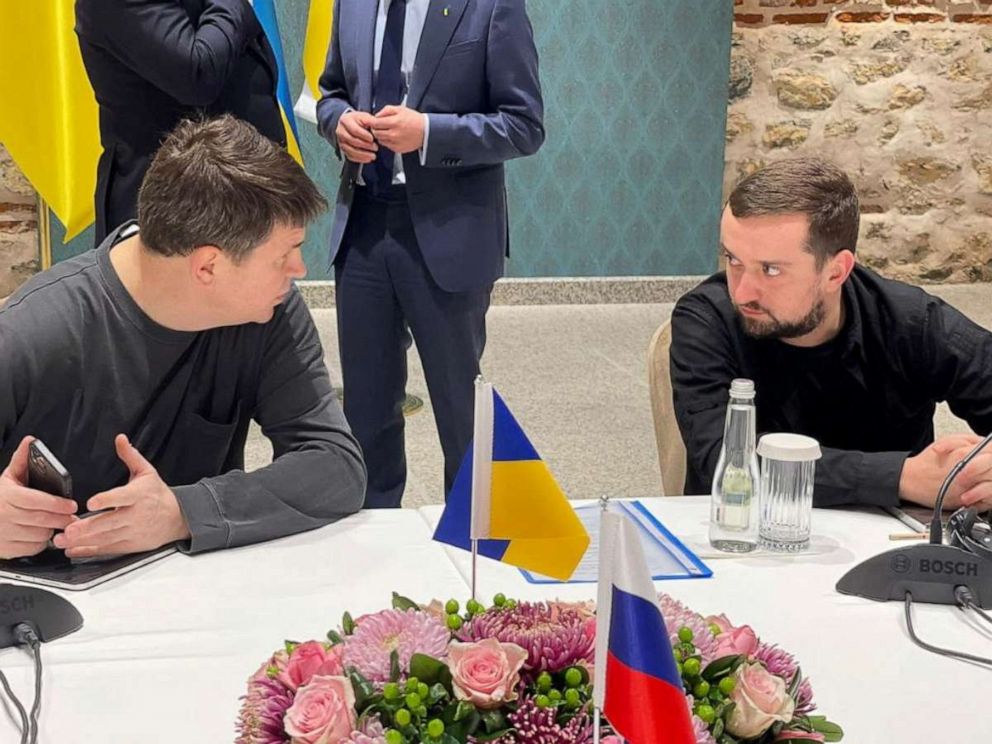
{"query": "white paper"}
pixel 666 557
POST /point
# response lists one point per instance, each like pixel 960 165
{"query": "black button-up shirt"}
pixel 868 395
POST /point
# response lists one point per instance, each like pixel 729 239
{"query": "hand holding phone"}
pixel 145 513
pixel 28 515
pixel 46 473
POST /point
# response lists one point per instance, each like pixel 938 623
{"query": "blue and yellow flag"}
pixel 315 45
pixel 266 12
pixel 506 497
pixel 49 120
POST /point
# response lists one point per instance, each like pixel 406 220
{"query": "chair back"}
pixel 671 450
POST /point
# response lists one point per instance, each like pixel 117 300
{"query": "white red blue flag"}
pixel 637 686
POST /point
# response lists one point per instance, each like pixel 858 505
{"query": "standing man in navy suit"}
pixel 425 100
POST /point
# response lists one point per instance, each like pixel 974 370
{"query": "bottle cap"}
pixel 741 388
pixel 789 447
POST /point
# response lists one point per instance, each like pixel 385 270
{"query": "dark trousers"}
pixel 385 293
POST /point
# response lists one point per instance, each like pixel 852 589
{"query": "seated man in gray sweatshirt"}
pixel 140 364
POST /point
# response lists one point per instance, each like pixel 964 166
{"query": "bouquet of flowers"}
pixel 511 673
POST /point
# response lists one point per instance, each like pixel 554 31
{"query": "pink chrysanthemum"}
pixel 678 616
pixel 264 707
pixel 370 732
pixel 783 664
pixel 533 725
pixel 702 731
pixel 407 632
pixel 555 636
pixel 699 728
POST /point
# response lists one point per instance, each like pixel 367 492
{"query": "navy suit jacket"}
pixel 154 62
pixel 476 76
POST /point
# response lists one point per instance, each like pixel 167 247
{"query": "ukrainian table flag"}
pixel 637 685
pixel 315 46
pixel 265 10
pixel 505 497
pixel 49 120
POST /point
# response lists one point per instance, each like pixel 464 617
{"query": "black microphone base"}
pixel 48 614
pixel 929 572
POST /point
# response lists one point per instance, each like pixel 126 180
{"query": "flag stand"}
pixel 604 505
pixel 475 556
pixel 44 234
pixel 482 454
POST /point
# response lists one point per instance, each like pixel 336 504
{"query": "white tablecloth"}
pixel 165 651
pixel 867 674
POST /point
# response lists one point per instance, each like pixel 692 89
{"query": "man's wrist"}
pixel 907 481
pixel 180 529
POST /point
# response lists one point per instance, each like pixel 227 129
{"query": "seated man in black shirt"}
pixel 836 352
pixel 141 363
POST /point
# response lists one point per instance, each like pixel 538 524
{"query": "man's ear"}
pixel 204 264
pixel 839 268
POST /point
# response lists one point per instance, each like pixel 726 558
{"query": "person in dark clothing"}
pixel 836 352
pixel 141 363
pixel 153 63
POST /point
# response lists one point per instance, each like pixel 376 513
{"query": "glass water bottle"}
pixel 736 482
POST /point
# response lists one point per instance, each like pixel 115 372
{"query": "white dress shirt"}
pixel 416 15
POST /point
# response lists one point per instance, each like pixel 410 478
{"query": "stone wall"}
pixel 18 227
pixel 899 94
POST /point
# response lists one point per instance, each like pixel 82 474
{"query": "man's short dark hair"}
pixel 809 186
pixel 220 182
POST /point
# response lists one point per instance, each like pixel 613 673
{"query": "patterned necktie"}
pixel 388 92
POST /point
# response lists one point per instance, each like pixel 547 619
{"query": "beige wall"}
pixel 899 93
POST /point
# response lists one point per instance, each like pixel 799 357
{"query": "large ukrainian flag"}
pixel 49 120
pixel 315 46
pixel 506 497
pixel 265 10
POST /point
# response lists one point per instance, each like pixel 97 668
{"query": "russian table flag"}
pixel 636 685
pixel 505 497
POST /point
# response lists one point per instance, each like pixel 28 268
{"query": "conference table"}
pixel 165 651
pixel 866 672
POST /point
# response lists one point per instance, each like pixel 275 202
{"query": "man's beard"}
pixel 775 328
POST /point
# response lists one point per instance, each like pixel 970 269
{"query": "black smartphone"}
pixel 46 473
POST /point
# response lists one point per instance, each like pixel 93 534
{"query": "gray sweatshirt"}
pixel 80 362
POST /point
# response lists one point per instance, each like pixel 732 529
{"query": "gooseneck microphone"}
pixel 30 616
pixel 936 525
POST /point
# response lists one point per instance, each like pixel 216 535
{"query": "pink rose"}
pixel 720 621
pixel 803 735
pixel 736 641
pixel 761 700
pixel 435 609
pixel 309 659
pixel 485 673
pixel 611 740
pixel 585 608
pixel 276 665
pixel 323 712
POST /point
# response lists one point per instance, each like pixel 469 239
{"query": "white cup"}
pixel 787 467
